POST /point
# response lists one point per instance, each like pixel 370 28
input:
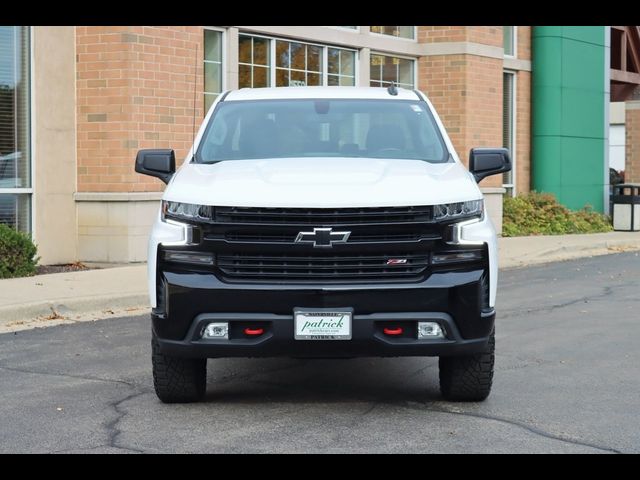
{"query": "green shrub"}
pixel 541 214
pixel 17 253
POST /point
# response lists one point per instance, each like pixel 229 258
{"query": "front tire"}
pixel 177 379
pixel 468 378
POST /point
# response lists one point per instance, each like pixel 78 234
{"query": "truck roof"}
pixel 282 93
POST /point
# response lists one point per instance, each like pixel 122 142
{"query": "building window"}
pixel 253 62
pixel 386 69
pixel 265 62
pixel 341 67
pixel 298 64
pixel 509 41
pixel 15 138
pixel 396 31
pixel 508 127
pixel 617 140
pixel 351 27
pixel 213 70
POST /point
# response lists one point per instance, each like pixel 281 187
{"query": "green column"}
pixel 569 93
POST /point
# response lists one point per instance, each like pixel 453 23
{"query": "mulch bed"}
pixel 67 267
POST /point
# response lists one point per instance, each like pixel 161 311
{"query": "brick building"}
pixel 76 103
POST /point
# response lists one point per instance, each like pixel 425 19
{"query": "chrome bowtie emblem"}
pixel 323 237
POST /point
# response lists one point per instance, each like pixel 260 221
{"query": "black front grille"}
pixel 353 238
pixel 323 266
pixel 257 245
pixel 323 216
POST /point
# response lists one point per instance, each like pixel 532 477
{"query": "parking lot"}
pixel 567 380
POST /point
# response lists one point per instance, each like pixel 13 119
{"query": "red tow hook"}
pixel 392 331
pixel 253 332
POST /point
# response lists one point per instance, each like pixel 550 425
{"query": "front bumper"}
pixel 191 300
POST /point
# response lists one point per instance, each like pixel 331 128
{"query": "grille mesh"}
pixel 320 216
pixel 343 266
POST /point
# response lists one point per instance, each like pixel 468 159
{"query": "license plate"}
pixel 322 324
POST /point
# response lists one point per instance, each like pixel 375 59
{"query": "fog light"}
pixel 219 331
pixel 455 257
pixel 196 258
pixel 430 330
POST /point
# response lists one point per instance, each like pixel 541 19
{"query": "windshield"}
pixel 397 129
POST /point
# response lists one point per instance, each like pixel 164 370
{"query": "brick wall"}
pixel 441 33
pixel 134 90
pixel 524 42
pixel 486 35
pixel 443 79
pixel 523 132
pixel 523 114
pixel 484 107
pixel 466 90
pixel 477 34
pixel 632 127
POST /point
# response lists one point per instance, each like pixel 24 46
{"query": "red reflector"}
pixel 253 331
pixel 392 331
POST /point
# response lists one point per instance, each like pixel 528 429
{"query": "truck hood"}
pixel 322 182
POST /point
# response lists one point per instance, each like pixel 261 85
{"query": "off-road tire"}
pixel 468 378
pixel 176 379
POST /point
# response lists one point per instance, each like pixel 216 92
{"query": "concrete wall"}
pixel 54 131
pixel 114 227
pixel 493 205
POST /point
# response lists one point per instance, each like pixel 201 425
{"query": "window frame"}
pixel 406 57
pixel 274 74
pixel 413 39
pixel 29 191
pixel 223 65
pixel 345 29
pixel 325 57
pixel 269 65
pixel 514 41
pixel 514 134
pixel 356 66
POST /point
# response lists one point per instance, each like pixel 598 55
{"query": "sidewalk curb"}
pixel 71 307
pixel 570 252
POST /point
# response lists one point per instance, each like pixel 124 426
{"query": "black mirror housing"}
pixel 160 163
pixel 484 162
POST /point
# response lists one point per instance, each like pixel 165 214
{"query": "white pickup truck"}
pixel 322 222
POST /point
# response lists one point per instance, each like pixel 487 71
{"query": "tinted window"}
pixel 322 128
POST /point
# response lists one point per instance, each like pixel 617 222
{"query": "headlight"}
pixel 187 211
pixel 455 211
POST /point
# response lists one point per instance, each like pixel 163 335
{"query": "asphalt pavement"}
pixel 567 381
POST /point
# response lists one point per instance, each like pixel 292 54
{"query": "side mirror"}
pixel 160 163
pixel 484 162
